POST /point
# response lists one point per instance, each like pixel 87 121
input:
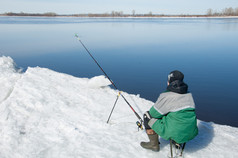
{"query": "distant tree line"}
pixel 116 14
pixel 112 14
pixel 30 14
pixel 225 12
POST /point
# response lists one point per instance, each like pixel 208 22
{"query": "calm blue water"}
pixel 137 54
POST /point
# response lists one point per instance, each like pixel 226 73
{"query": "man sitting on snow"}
pixel 172 116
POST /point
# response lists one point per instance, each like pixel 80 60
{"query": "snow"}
pixel 47 114
pixel 98 81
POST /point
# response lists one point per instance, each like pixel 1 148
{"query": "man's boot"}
pixel 153 144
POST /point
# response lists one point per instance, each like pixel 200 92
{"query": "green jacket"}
pixel 173 117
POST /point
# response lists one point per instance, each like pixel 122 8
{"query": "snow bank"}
pixel 48 114
pixel 9 75
pixel 98 81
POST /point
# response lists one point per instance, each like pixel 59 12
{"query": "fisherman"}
pixel 172 116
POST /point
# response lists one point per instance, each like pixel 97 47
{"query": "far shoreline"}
pixel 118 15
pixel 165 16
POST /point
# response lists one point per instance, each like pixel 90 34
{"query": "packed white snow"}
pixel 46 114
pixel 98 81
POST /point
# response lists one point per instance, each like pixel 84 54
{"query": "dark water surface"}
pixel 137 54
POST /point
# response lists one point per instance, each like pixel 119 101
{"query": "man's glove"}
pixel 146 118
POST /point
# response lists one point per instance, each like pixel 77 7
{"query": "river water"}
pixel 137 54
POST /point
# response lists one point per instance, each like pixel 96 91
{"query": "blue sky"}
pixel 107 6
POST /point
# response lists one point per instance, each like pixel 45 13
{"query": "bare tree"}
pixel 113 13
pixel 133 12
pixel 228 11
pixel 121 13
pixel 209 12
pixel 236 11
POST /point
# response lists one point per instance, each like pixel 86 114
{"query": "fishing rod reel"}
pixel 139 124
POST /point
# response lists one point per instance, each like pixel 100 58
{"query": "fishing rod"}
pixel 139 124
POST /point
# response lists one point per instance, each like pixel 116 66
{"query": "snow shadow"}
pixel 202 140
